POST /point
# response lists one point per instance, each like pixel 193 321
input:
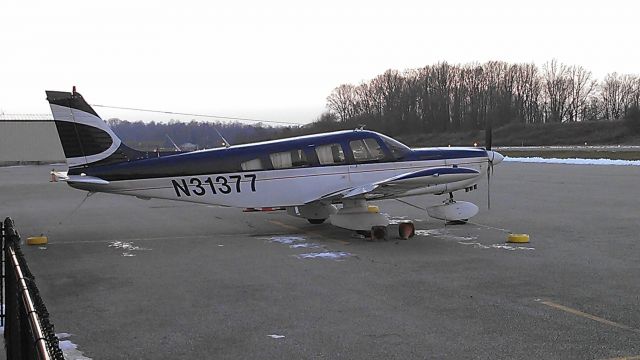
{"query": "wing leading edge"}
pixel 402 183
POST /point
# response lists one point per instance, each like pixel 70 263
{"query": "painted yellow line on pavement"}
pixel 589 316
pixel 633 357
pixel 313 233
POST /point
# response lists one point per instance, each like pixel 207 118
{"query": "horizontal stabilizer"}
pixel 81 179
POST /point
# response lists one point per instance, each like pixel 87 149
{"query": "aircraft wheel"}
pixel 378 233
pixel 316 221
pixel 406 230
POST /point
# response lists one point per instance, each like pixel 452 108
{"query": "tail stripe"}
pixel 85 137
pixel 79 140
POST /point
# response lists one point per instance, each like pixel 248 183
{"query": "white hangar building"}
pixel 29 139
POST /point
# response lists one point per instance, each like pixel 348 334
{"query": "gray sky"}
pixel 279 60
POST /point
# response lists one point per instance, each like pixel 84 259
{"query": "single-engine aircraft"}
pixel 309 176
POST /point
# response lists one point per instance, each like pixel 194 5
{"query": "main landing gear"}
pixel 367 221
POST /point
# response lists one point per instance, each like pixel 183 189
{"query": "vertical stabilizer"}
pixel 85 137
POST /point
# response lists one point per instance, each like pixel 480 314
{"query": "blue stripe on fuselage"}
pixel 422 154
pixel 228 160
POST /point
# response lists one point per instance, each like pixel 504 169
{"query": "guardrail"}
pixel 28 334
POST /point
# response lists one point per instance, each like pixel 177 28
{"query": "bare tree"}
pixel 618 94
pixel 557 89
pixel 342 101
pixel 581 87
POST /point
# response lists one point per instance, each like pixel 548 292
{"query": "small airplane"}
pixel 308 176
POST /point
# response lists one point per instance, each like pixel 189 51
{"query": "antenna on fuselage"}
pixel 173 143
pixel 227 144
pixel 360 128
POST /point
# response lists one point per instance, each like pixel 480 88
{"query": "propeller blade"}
pixel 488 134
pixel 488 140
pixel 489 170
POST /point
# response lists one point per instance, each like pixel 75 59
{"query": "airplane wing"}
pixel 402 183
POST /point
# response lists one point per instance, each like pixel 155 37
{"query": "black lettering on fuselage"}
pixel 184 188
pixel 222 186
pixel 199 190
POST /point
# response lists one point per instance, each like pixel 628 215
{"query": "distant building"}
pixel 29 139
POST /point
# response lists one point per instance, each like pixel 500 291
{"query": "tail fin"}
pixel 86 138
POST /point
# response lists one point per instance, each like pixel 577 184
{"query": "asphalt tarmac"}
pixel 135 279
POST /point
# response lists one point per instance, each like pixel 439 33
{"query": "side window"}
pixel 288 159
pixel 254 164
pixel 366 150
pixel 397 148
pixel 330 154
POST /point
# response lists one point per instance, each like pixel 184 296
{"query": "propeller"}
pixel 488 139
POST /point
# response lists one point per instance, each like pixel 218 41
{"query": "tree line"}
pixel 201 134
pixel 433 99
pixel 445 97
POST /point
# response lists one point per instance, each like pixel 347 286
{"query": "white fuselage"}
pixel 286 187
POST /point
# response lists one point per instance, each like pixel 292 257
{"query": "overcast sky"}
pixel 278 60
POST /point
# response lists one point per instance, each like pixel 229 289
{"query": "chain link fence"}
pixel 28 333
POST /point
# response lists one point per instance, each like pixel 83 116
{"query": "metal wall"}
pixel 29 139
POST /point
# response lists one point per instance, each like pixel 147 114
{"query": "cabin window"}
pixel 330 154
pixel 288 159
pixel 255 164
pixel 398 149
pixel 366 150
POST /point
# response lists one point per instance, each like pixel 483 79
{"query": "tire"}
pixel 379 233
pixel 406 230
pixel 316 221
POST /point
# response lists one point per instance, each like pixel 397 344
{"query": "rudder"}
pixel 85 137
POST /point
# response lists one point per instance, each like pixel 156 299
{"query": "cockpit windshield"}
pixel 398 149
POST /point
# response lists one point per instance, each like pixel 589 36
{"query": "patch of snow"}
pixel 287 240
pixel 495 246
pixel 127 246
pixel 304 245
pixel 274 336
pixel 69 349
pixel 67 345
pixel 573 161
pixel 468 240
pixel 443 234
pixel 294 242
pixel 397 220
pixel 334 255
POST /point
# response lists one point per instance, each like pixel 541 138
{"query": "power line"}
pixel 200 115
